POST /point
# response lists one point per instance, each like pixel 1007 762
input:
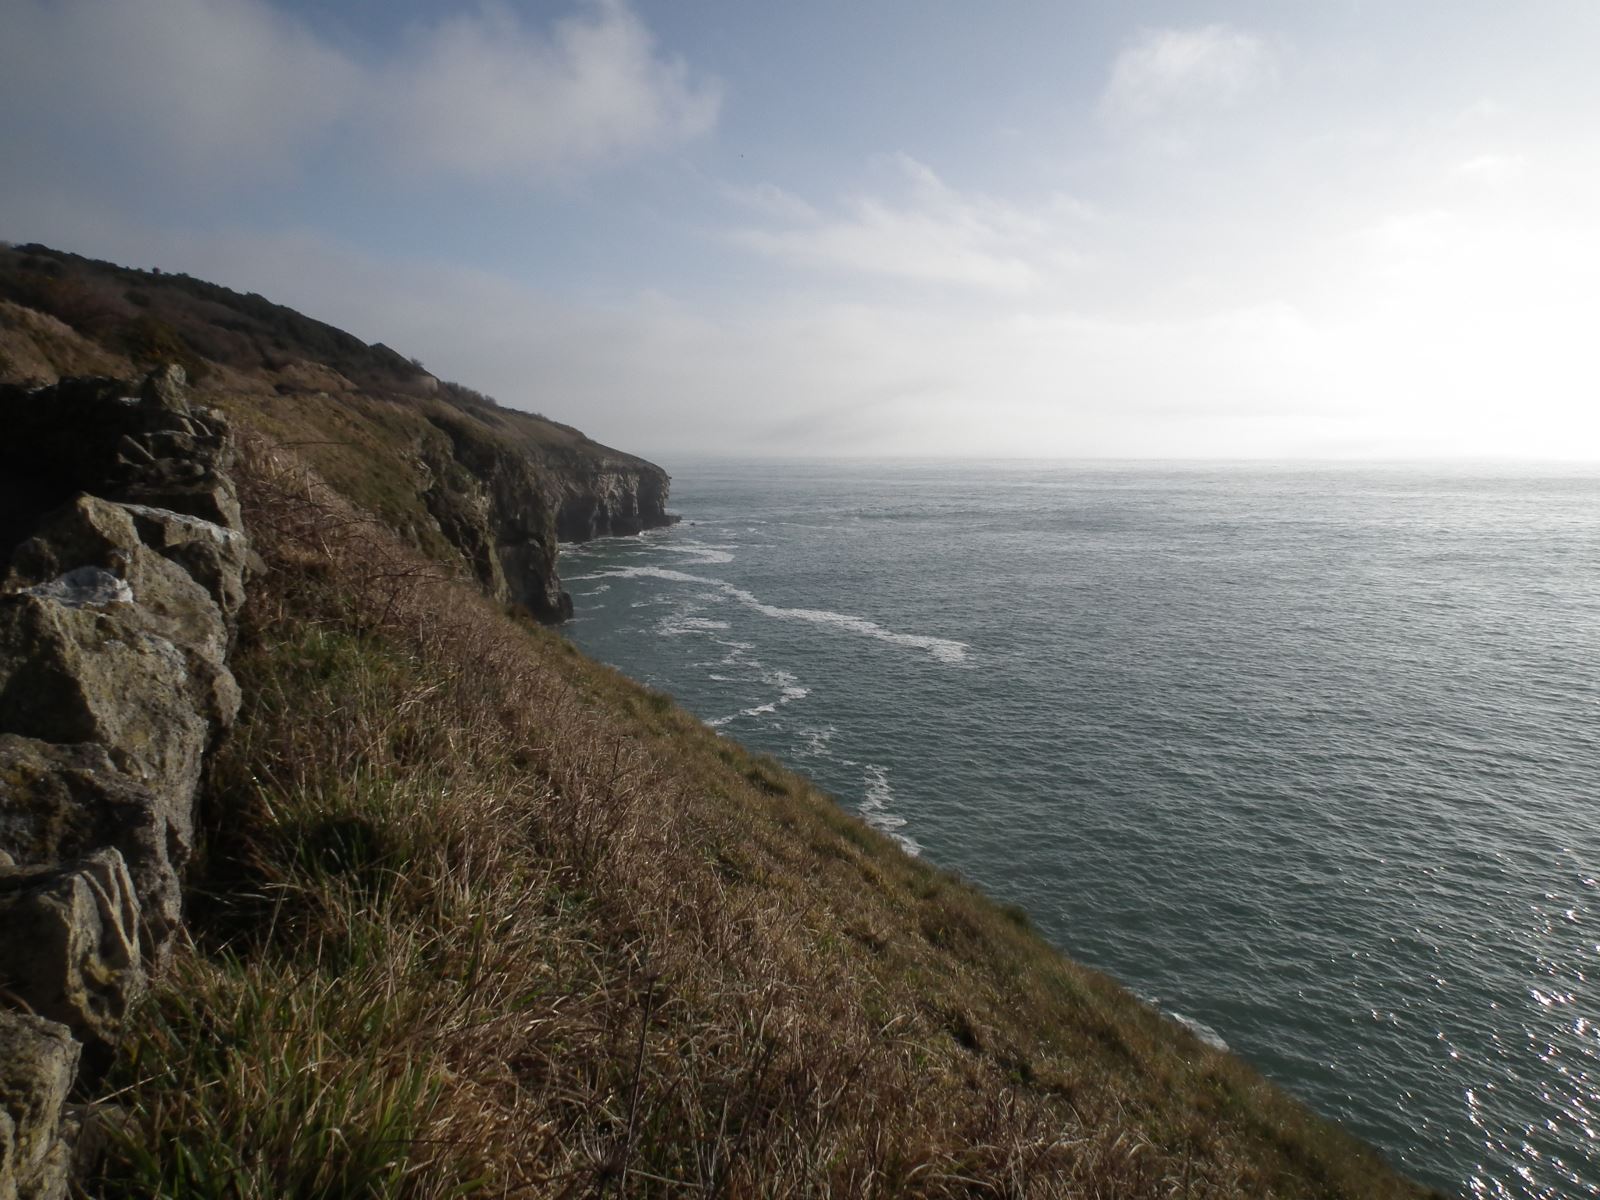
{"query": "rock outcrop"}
pixel 122 566
pixel 612 496
pixel 505 500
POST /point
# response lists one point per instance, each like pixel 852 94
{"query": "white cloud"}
pixel 232 90
pixel 771 201
pixel 1167 71
pixel 187 86
pixel 485 95
pixel 934 235
pixel 1492 169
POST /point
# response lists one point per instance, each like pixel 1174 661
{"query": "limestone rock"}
pixel 215 556
pixel 38 1060
pixel 84 587
pixel 90 435
pixel 84 532
pixel 59 803
pixel 122 566
pixel 69 943
pixel 8 1156
pixel 184 574
pixel 87 675
pixel 210 497
pixel 612 498
pixel 163 390
pixel 506 506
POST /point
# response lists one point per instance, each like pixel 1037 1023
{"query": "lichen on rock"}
pixel 38 1060
pixel 84 587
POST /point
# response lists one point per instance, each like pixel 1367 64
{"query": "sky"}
pixel 1350 229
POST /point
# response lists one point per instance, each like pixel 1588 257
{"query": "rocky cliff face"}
pixel 612 496
pixel 505 502
pixel 122 566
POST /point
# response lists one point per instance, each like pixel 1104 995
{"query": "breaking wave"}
pixel 945 650
pixel 877 811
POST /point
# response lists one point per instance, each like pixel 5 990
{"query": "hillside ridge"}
pixel 494 487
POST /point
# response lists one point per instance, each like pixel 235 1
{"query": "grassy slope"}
pixel 482 916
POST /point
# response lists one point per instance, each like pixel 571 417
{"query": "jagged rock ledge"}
pixel 123 563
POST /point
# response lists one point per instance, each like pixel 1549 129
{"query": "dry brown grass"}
pixel 37 348
pixel 482 917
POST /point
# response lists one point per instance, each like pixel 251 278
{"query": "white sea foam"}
pixel 679 625
pixel 876 811
pixel 594 591
pixel 736 654
pixel 816 740
pixel 945 650
pixel 1200 1029
pixel 789 690
pixel 702 552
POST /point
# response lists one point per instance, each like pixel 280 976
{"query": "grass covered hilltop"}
pixel 470 914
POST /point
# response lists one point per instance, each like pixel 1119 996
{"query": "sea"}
pixel 1307 756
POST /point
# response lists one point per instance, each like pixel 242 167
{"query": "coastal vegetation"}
pixel 472 914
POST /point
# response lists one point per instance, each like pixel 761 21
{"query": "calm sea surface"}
pixel 1306 756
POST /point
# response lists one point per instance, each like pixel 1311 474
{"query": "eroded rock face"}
pixel 69 943
pixel 506 506
pixel 85 675
pixel 162 602
pixel 611 499
pixel 122 567
pixel 59 803
pixel 215 556
pixel 103 436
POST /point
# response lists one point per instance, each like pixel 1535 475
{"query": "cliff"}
pixel 462 912
pixel 504 492
pixel 466 480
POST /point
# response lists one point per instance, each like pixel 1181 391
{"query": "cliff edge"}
pixel 505 487
pixel 463 478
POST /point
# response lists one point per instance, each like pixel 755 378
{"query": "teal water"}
pixel 1307 757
